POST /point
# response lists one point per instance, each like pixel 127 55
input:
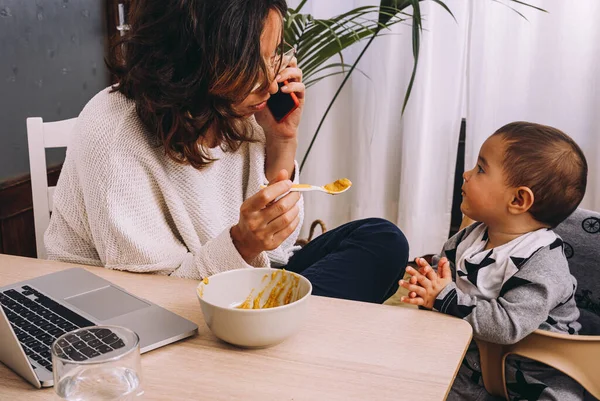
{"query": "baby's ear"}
pixel 521 201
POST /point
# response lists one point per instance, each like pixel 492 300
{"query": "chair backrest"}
pixel 40 136
pixel 581 235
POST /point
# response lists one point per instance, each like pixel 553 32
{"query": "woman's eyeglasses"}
pixel 279 61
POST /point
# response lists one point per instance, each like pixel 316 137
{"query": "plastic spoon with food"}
pixel 333 188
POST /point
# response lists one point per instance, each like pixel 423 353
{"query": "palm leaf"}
pixel 529 5
pixel 343 66
pixel 417 27
pixel 445 7
pixel 319 30
pixel 386 15
pixel 323 39
pixel 319 40
pixel 302 3
pixel 512 8
pixel 337 93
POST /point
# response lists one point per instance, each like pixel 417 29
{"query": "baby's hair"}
pixel 550 163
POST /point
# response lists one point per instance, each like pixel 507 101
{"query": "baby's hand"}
pixel 425 284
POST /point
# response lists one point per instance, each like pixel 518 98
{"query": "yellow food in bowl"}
pixel 275 309
pixel 281 282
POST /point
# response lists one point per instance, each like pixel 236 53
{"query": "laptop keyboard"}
pixel 38 321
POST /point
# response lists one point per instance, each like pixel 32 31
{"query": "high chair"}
pixel 577 356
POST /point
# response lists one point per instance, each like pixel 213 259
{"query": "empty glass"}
pixel 97 363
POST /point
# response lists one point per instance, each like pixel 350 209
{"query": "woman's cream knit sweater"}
pixel 122 203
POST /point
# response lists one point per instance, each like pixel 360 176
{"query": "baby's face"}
pixel 485 194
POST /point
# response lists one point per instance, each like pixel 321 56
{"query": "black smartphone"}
pixel 282 104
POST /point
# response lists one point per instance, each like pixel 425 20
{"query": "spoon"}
pixel 334 188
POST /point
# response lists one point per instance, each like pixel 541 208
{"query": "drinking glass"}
pixel 97 363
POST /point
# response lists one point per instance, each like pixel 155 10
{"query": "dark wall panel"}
pixel 51 64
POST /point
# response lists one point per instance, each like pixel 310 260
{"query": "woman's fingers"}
pixel 265 196
pixel 293 62
pixel 297 87
pixel 284 220
pixel 291 73
pixel 293 76
pixel 279 208
pixel 252 234
pixel 282 235
pixel 281 176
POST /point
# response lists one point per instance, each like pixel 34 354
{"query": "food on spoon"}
pixel 338 185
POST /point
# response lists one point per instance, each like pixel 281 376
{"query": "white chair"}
pixel 40 136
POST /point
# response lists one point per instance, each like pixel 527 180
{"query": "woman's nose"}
pixel 274 87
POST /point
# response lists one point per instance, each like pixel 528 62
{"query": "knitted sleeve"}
pixel 280 255
pixel 129 225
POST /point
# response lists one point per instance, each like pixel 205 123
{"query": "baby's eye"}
pixel 479 169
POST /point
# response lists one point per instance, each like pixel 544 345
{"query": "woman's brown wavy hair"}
pixel 186 63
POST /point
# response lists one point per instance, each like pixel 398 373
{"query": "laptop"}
pixel 36 312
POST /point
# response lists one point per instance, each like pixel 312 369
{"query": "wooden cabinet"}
pixel 17 233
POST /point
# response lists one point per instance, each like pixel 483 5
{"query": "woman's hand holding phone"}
pixel 286 128
pixel 282 104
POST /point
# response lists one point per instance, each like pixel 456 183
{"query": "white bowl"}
pixel 222 294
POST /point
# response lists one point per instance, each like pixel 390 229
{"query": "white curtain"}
pixel 489 65
pixel 545 69
pixel 401 167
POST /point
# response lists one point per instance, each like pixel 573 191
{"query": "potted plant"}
pixel 318 40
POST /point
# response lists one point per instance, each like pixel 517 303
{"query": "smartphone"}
pixel 282 104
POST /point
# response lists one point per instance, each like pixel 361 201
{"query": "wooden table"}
pixel 346 351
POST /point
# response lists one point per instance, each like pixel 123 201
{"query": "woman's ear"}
pixel 521 201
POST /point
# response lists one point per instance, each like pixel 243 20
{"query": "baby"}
pixel 507 274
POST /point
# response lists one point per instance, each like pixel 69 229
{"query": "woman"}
pixel 165 170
